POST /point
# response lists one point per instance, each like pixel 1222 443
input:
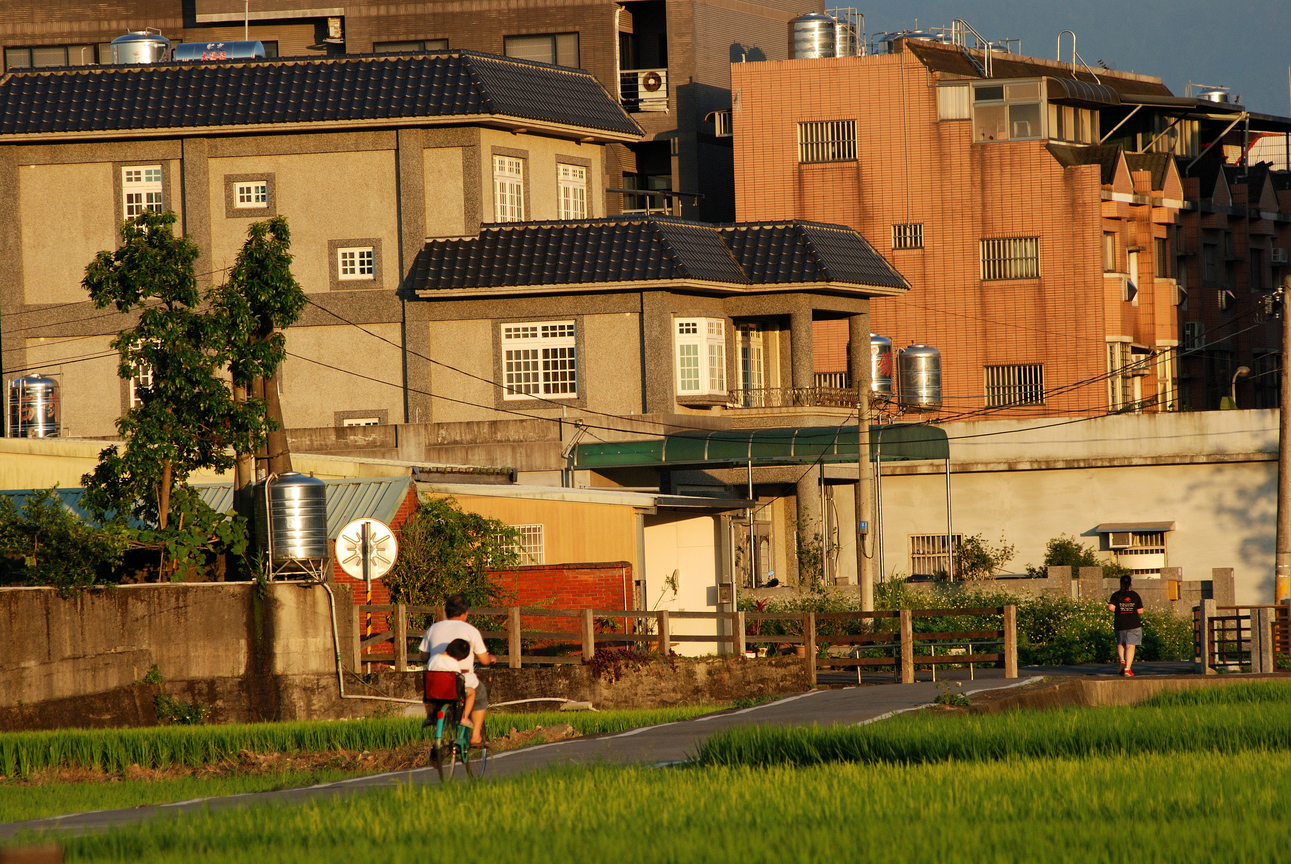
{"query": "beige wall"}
pixel 89 389
pixel 313 393
pixel 445 191
pixel 325 196
pixel 468 345
pixel 541 165
pixel 688 546
pixel 67 214
pixel 574 532
pixel 611 370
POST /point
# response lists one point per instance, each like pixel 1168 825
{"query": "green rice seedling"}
pixel 1070 733
pixel 1070 810
pixel 1227 694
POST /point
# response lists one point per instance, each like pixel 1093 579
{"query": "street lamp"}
pixel 1242 372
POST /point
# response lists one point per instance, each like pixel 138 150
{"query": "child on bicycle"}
pixel 456 659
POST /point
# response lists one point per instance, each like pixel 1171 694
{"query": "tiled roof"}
pixel 1157 163
pixel 1207 171
pixel 304 90
pixel 652 248
pixel 945 58
pixel 1105 156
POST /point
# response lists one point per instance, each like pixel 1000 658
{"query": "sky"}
pixel 1242 44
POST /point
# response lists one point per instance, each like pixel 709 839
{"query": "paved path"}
pixel 651 745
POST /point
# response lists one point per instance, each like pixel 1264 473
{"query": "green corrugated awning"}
pixel 901 442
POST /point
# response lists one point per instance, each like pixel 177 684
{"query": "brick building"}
pixel 681 48
pixel 1064 232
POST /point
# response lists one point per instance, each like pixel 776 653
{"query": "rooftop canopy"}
pixel 595 253
pixel 230 96
pixel 901 442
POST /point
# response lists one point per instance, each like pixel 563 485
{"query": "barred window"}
pixel 529 545
pixel 1017 384
pixel 540 359
pixel 907 236
pixel 1120 383
pixel 827 141
pixel 1011 258
pixel 930 553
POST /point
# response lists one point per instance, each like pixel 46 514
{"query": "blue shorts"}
pixel 1130 637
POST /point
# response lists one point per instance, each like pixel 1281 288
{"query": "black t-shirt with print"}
pixel 1128 604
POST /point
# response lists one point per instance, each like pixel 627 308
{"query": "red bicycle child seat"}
pixel 442 686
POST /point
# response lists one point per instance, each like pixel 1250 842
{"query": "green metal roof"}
pixel 347 499
pixel 901 442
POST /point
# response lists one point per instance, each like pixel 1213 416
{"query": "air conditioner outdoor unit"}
pixel 1278 255
pixel 652 89
pixel 1120 540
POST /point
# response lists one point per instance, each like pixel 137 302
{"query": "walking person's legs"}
pixel 1129 659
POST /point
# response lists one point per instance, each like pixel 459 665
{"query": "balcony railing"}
pixel 644 89
pixel 792 397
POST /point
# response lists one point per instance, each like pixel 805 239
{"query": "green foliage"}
pixel 1245 724
pixel 1184 809
pixel 153 675
pixel 445 550
pixel 977 559
pixel 43 543
pixel 812 552
pixel 174 711
pixel 1064 551
pixel 115 750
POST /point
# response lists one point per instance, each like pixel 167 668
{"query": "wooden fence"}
pixel 902 649
pixel 1231 634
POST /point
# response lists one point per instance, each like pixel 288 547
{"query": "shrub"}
pixel 44 543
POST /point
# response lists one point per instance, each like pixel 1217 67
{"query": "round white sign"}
pixel 370 541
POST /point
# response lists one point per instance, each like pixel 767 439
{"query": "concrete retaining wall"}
pixel 1095 692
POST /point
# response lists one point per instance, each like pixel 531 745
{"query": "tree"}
pixel 43 543
pixel 445 550
pixel 1064 551
pixel 976 559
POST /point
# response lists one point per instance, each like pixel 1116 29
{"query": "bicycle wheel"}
pixel 476 762
pixel 443 755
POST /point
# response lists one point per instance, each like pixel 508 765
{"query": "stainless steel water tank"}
pixel 141 47
pixel 880 365
pixel 811 36
pixel 1212 94
pixel 919 378
pixel 297 519
pixel 199 51
pixel 34 410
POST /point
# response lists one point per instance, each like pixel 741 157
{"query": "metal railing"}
pixel 792 397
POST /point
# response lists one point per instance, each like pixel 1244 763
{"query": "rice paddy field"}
pixel 1196 777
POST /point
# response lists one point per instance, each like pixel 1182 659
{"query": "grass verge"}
pixel 1072 810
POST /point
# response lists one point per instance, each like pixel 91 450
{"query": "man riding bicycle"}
pixel 436 641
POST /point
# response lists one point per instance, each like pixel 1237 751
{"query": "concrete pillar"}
pixel 809 522
pixel 1223 588
pixel 803 360
pixel 858 363
pixel 1060 582
pixel 1091 584
pixel 1207 612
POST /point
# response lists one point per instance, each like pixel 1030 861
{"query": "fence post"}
pixel 440 614
pixel 513 637
pixel 1263 637
pixel 1010 641
pixel 589 635
pixel 1204 625
pixel 400 637
pixel 809 640
pixel 356 639
pixel 907 647
pixel 738 623
pixel 665 637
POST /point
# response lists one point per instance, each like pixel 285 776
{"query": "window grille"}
pixel 907 236
pixel 1120 384
pixel 1142 543
pixel 529 545
pixel 540 359
pixel 1010 258
pixel 930 554
pixel 827 141
pixel 1019 384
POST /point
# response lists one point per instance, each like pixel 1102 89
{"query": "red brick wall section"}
pixel 605 585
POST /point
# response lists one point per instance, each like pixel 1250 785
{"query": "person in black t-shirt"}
pixel 1128 607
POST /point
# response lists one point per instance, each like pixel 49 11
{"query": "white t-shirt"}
pixel 444 663
pixel 439 634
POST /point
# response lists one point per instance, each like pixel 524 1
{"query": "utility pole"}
pixel 1282 560
pixel 859 348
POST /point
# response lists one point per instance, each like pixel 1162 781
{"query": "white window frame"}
pixel 1014 384
pixel 356 263
pixel 540 360
pixel 700 349
pixel 530 545
pixel 141 189
pixel 571 188
pixel 361 421
pixel 141 378
pixel 251 194
pixel 508 189
pixel 826 141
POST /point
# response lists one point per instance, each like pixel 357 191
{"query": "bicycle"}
pixel 452 741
